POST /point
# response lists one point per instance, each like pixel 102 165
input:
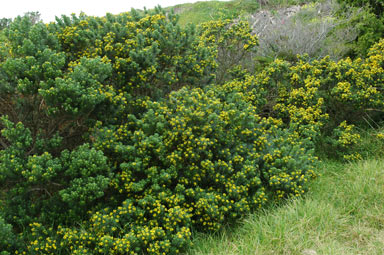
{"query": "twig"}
pixel 40 189
pixel 371 109
pixel 3 144
pixel 372 120
pixel 368 123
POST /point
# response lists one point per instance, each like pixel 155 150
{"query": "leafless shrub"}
pixel 312 29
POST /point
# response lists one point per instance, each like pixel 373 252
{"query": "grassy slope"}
pixel 211 10
pixel 342 214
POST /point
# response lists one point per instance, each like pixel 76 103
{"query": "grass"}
pixel 342 214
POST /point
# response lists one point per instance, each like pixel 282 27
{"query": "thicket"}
pixel 368 20
pixel 376 6
pixel 123 134
pixel 318 29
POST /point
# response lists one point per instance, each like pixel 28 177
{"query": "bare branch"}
pixel 3 144
pixel 315 31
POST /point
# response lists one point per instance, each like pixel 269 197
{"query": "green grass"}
pixel 342 214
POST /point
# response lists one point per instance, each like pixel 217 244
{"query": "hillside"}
pixel 199 12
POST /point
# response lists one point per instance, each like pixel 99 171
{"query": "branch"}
pixel 40 189
pixel 3 144
pixel 376 110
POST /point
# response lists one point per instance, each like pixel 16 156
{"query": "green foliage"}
pixel 61 77
pixel 40 186
pixel 38 87
pixel 57 81
pixel 7 237
pixel 368 21
pixel 377 6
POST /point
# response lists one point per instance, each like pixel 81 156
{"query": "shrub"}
pixel 41 186
pixel 210 160
pixel 314 29
pixel 150 54
pixel 7 237
pixel 90 138
pixel 377 6
pixel 39 89
pixel 61 77
pixel 322 99
pixel 57 80
pixel 368 21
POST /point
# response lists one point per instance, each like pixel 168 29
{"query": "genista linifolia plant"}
pixel 124 134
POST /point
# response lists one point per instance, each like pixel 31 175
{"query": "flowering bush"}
pixel 207 154
pixel 150 54
pixel 56 81
pixel 191 162
pixel 320 99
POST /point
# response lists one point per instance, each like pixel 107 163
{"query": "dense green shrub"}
pixel 41 90
pixel 7 237
pixel 41 186
pixel 203 162
pixel 187 140
pixel 150 54
pixel 90 138
pixel 56 80
pixel 194 161
pixel 61 77
pixel 377 6
pixel 368 20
